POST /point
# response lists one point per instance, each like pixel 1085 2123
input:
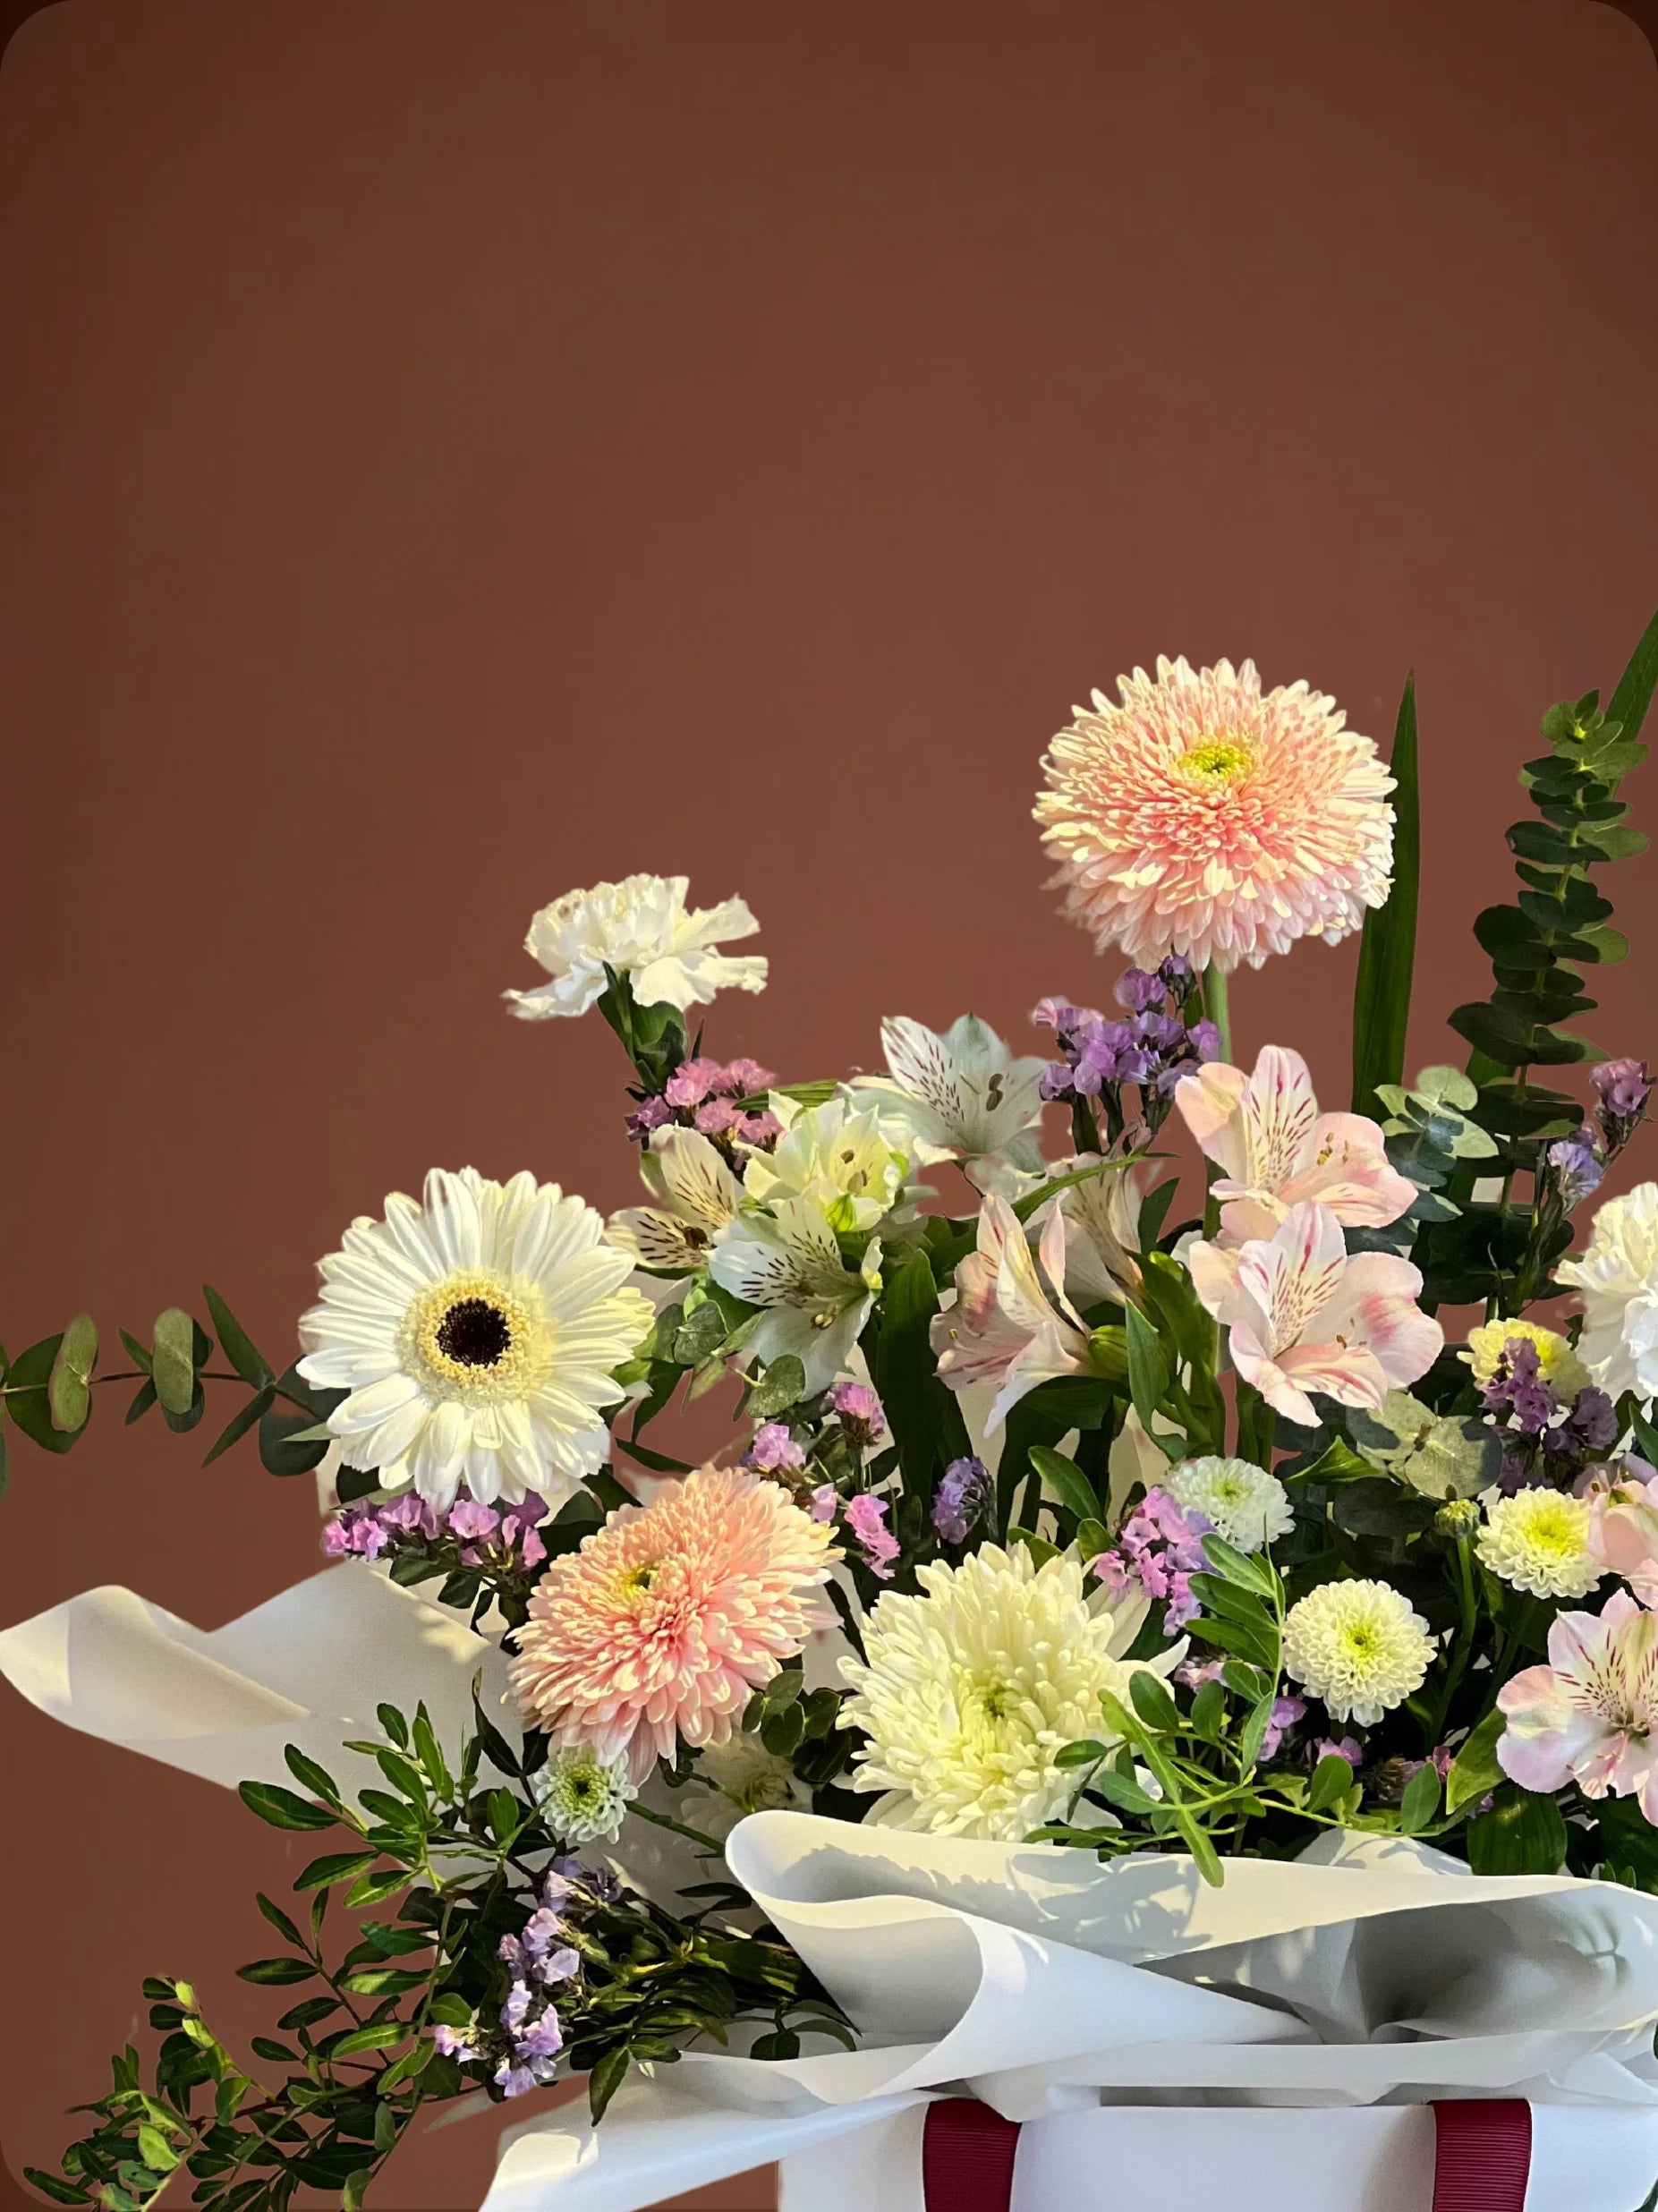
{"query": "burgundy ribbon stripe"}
pixel 1481 2158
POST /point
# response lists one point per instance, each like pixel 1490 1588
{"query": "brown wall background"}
pixel 454 455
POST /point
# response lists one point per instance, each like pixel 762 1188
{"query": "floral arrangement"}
pixel 1135 1453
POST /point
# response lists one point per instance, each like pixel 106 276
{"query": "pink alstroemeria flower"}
pixel 1005 1327
pixel 1305 1317
pixel 1277 1151
pixel 1623 1529
pixel 1589 1716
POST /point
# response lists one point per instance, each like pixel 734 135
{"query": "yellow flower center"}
pixel 477 1336
pixel 1556 1527
pixel 1217 760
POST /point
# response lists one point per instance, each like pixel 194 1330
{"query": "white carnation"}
pixel 1538 1540
pixel 1617 1279
pixel 1359 1647
pixel 971 1690
pixel 641 928
pixel 1250 1507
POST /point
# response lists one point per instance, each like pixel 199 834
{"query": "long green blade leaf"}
pixel 1388 951
pixel 1634 693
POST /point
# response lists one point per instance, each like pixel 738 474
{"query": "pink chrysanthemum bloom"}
pixel 1201 816
pixel 670 1617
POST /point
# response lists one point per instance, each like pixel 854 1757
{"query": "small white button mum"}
pixel 1359 1647
pixel 1538 1540
pixel 1250 1507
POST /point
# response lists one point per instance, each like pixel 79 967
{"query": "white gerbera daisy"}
pixel 581 1797
pixel 971 1691
pixel 1249 1508
pixel 1618 1278
pixel 476 1333
pixel 1538 1540
pixel 1360 1646
pixel 642 929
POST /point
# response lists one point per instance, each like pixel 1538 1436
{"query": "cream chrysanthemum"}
pixel 1360 1646
pixel 475 1334
pixel 1249 1507
pixel 581 1797
pixel 1557 1364
pixel 1201 816
pixel 1617 1279
pixel 641 928
pixel 660 1627
pixel 1538 1540
pixel 971 1691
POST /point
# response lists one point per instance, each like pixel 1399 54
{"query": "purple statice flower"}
pixel 1286 1712
pixel 866 1517
pixel 860 1411
pixel 1138 989
pixel 772 1450
pixel 1518 1389
pixel 1624 1087
pixel 760 1132
pixel 717 1117
pixel 1059 1013
pixel 1340 1747
pixel 1578 1166
pixel 650 1113
pixel 825 1502
pixel 1205 1039
pixel 1178 975
pixel 692 1082
pixel 746 1078
pixel 410 1514
pixel 470 1521
pixel 1160 1547
pixel 521 1528
pixel 1590 1428
pixel 961 1499
pixel 357 1531
pixel 1195 1673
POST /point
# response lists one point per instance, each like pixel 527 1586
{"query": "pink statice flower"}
pixel 1012 1323
pixel 859 1411
pixel 1159 1548
pixel 1286 1713
pixel 690 1081
pixel 1347 1748
pixel 866 1517
pixel 1206 817
pixel 1304 1316
pixel 1275 1149
pixel 772 1450
pixel 660 1627
pixel 1591 1714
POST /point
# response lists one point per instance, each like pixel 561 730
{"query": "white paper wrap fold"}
pixel 1084 1999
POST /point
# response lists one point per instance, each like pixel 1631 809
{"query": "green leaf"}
pixel 1421 1801
pixel 1522 1833
pixel 377 2038
pixel 282 1809
pixel 1126 1795
pixel 429 1753
pixel 311 1776
pixel 69 1398
pixel 279 1919
pixel 173 1360
pixel 1255 1730
pixel 1388 950
pixel 278 1970
pixel 28 1380
pixel 607 2076
pixel 355 2189
pixel 1149 1367
pixel 240 1422
pixel 335 1867
pixel 1629 703
pixel 1239 1569
pixel 143 1398
pixel 924 1418
pixel 279 1454
pixel 1332 1778
pixel 1064 1483
pixel 783 1384
pixel 249 1364
pixel 1151 1701
pixel 1474 1771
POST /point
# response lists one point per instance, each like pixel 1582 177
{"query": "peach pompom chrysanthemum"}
pixel 1204 817
pixel 667 1619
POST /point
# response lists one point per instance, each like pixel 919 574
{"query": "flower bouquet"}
pixel 1176 1627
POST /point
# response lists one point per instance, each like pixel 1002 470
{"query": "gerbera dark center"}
pixel 473 1333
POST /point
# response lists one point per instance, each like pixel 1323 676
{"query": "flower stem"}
pixel 1217 1005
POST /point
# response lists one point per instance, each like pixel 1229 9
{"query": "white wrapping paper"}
pixel 1270 2044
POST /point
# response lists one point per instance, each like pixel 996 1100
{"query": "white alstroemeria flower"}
pixel 961 1097
pixel 788 1262
pixel 838 1156
pixel 699 1195
pixel 641 928
pixel 1011 1323
pixel 1101 1230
